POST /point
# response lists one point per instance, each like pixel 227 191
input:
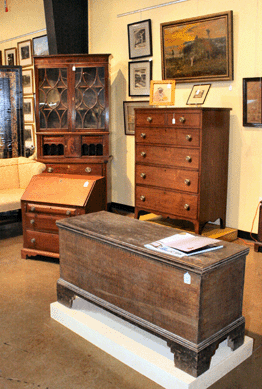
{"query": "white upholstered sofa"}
pixel 15 174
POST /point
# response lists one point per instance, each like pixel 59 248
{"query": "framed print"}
pixel 140 74
pixel 25 53
pixel 252 102
pixel 129 114
pixel 1 58
pixel 29 136
pixel 27 81
pixel 40 45
pixel 10 57
pixel 198 49
pixel 162 92
pixel 28 107
pixel 140 39
pixel 198 94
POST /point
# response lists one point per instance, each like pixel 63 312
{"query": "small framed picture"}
pixel 29 136
pixel 11 57
pixel 252 102
pixel 28 107
pixel 162 92
pixel 25 53
pixel 198 94
pixel 40 45
pixel 27 81
pixel 140 74
pixel 1 58
pixel 129 114
pixel 140 39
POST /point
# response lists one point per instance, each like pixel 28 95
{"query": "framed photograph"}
pixel 162 92
pixel 129 114
pixel 11 57
pixel 252 102
pixel 40 45
pixel 29 136
pixel 1 61
pixel 28 108
pixel 140 39
pixel 198 49
pixel 198 94
pixel 27 81
pixel 140 74
pixel 25 53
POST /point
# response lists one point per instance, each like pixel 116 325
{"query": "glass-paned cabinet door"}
pixel 90 97
pixel 53 98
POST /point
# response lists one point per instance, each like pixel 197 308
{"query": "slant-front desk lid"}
pixel 66 189
pixel 131 234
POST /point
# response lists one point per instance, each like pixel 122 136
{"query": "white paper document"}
pixel 185 244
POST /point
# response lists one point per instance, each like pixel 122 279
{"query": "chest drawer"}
pixel 172 156
pixel 184 119
pixel 166 201
pixel 178 179
pixel 150 119
pixel 41 241
pixel 170 136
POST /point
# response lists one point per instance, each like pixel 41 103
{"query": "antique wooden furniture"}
pixel 181 163
pixel 259 234
pixel 193 303
pixel 72 113
pixel 49 198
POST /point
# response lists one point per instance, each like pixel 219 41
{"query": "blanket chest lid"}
pixel 131 234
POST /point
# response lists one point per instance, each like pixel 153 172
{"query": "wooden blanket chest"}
pixel 193 302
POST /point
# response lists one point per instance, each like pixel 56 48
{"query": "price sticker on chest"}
pixel 187 278
pixel 86 184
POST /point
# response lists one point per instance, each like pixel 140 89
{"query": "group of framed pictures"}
pixel 22 55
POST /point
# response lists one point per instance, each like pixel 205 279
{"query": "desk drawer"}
pixel 41 241
pixel 172 156
pixel 50 209
pixel 170 136
pixel 39 222
pixel 178 179
pixel 166 201
pixel 94 169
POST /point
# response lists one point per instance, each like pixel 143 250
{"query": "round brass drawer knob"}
pixel 143 154
pixel 187 182
pixel 68 213
pixel 142 198
pixel 143 135
pixel 149 119
pixel 32 209
pixel 88 169
pixel 182 119
pixel 188 158
pixel 188 138
pixel 187 207
pixel 50 170
pixel 143 175
pixel 33 240
pixel 32 221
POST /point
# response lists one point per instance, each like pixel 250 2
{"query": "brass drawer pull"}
pixel 187 182
pixel 88 169
pixel 189 138
pixel 188 159
pixel 143 135
pixel 32 221
pixel 33 240
pixel 187 207
pixel 143 154
pixel 143 175
pixel 68 213
pixel 149 119
pixel 142 198
pixel 32 209
pixel 50 170
pixel 182 119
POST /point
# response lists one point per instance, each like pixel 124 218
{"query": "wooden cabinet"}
pixel 181 163
pixel 72 113
pixel 51 197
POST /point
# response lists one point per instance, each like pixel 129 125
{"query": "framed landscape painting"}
pixel 198 49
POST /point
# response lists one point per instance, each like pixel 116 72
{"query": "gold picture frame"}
pixel 162 92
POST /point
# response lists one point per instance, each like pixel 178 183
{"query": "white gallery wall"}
pixel 108 34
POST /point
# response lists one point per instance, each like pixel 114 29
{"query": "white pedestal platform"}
pixel 140 350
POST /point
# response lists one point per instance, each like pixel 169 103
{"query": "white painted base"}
pixel 140 350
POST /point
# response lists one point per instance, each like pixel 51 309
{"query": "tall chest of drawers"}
pixel 181 163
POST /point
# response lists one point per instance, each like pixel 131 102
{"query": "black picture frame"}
pixel 252 102
pixel 198 94
pixel 140 39
pixel 139 78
